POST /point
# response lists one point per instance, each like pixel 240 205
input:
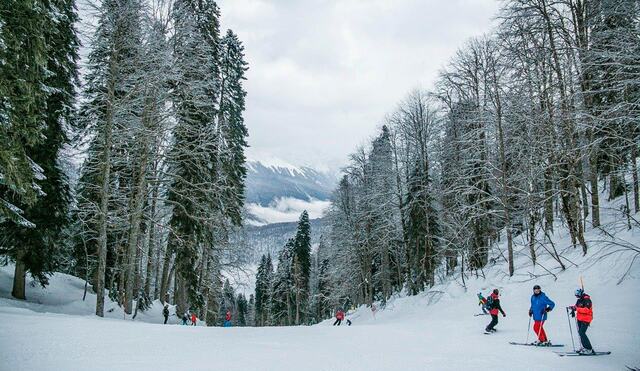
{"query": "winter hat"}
pixel 579 292
pixel 495 291
pixel 536 287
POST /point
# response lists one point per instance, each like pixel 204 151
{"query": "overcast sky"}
pixel 323 73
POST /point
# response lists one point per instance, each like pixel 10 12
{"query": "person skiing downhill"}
pixel 165 313
pixel 339 317
pixel 194 319
pixel 185 318
pixel 584 308
pixel 227 319
pixel 494 307
pixel 482 302
pixel 540 306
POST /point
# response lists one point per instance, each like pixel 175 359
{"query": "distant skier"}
pixel 540 306
pixel 339 317
pixel 165 313
pixel 227 319
pixel 493 304
pixel 482 302
pixel 185 318
pixel 194 319
pixel 584 308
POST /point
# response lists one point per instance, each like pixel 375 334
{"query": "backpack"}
pixel 489 304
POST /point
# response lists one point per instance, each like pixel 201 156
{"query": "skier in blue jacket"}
pixel 540 306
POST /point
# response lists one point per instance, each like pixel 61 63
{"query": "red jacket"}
pixel 495 306
pixel 340 315
pixel 228 317
pixel 584 308
pixel 193 317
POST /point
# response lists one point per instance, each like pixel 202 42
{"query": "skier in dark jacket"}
pixel 584 308
pixel 185 318
pixel 540 306
pixel 494 307
pixel 165 313
pixel 339 317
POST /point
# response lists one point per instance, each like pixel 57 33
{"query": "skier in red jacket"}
pixel 584 308
pixel 227 319
pixel 339 317
pixel 493 304
pixel 194 319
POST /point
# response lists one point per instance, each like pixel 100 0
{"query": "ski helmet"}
pixel 495 291
pixel 579 292
pixel 536 287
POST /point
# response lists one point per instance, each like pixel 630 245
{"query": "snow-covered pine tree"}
pixel 23 95
pixel 242 309
pixel 38 249
pixel 302 267
pixel 195 150
pixel 282 294
pixel 232 130
pixel 251 311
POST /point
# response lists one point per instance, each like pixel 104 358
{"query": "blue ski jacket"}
pixel 539 305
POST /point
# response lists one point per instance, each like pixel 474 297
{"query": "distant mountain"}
pixel 267 182
pixel 278 192
pixel 276 195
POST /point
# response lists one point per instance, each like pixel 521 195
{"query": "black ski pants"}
pixel 494 322
pixel 165 319
pixel 582 331
pixel 337 322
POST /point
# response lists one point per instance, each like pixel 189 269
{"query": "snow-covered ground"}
pixel 437 330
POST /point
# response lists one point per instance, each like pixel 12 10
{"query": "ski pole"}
pixel 528 329
pixel 570 330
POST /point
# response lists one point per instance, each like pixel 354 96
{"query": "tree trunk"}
pixel 634 170
pixel 19 279
pixel 595 196
pixel 532 237
pixel 104 201
pixel 548 200
pixel 136 218
pixel 165 281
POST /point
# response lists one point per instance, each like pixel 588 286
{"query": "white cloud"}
pixel 323 73
pixel 287 209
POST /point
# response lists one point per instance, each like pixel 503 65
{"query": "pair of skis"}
pixel 562 354
pixel 536 345
pixel 573 354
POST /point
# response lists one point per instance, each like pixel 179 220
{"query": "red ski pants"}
pixel 539 330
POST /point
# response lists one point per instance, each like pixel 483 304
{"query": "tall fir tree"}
pixel 39 250
pixel 23 94
pixel 302 267
pixel 195 151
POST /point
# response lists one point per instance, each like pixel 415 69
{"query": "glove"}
pixel 530 313
pixel 547 309
pixel 573 314
pixel 504 314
